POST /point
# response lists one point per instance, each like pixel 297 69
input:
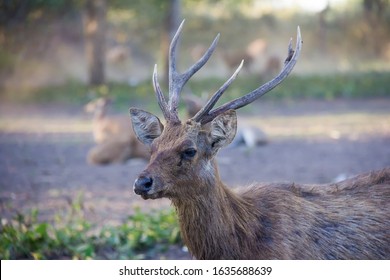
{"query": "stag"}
pixel 347 220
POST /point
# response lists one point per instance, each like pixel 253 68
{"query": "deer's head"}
pixel 183 152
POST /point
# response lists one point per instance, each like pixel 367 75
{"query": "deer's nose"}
pixel 143 184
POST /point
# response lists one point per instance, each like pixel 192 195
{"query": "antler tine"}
pixel 176 80
pixel 290 51
pixel 214 99
pixel 160 95
pixel 260 91
pixel 172 64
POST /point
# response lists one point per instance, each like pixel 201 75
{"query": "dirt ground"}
pixel 43 151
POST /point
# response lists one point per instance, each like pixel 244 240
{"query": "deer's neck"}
pixel 218 214
pixel 100 113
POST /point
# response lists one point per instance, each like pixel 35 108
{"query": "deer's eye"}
pixel 188 153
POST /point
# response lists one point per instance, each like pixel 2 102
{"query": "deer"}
pixel 250 54
pixel 272 65
pixel 104 126
pixel 113 135
pixel 345 220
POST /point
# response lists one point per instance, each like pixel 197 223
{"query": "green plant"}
pixel 339 85
pixel 24 237
pixel 138 234
pixel 72 236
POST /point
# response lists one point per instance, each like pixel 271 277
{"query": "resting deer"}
pixel 105 127
pixel 116 142
pixel 348 220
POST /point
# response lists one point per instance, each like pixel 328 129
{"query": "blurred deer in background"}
pixel 273 66
pixel 253 50
pixel 348 220
pixel 116 141
pixel 232 58
pixel 107 127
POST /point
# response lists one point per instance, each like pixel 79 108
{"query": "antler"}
pixel 177 80
pixel 206 115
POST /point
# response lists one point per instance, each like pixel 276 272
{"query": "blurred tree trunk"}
pixel 171 23
pixel 95 29
pixel 375 13
pixel 322 31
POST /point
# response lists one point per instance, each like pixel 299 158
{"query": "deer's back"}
pixel 116 141
pixel 348 220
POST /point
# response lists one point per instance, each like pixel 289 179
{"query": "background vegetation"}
pixel 72 236
pixel 45 46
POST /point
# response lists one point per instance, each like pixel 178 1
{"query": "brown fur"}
pixel 106 127
pixel 272 66
pixel 116 151
pixel 288 221
pixel 348 220
pixel 232 59
pixel 114 136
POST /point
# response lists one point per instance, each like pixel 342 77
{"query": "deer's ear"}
pixel 223 129
pixel 146 126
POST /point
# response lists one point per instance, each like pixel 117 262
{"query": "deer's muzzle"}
pixel 143 185
pixel 147 187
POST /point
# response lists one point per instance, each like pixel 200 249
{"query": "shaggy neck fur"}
pixel 228 230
